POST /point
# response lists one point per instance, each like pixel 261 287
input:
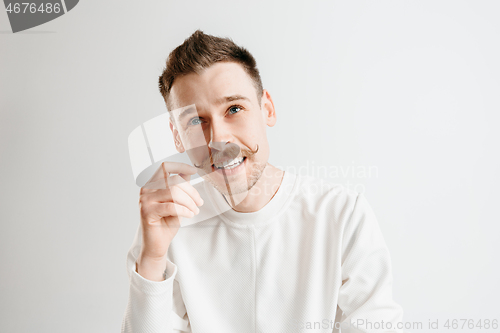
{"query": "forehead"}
pixel 215 82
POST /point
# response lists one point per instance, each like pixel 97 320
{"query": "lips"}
pixel 232 171
pixel 228 163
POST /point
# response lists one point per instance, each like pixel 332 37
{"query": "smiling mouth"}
pixel 227 165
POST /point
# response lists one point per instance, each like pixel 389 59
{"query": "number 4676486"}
pixel 26 7
pixel 471 324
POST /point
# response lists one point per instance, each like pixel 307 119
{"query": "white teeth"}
pixel 229 164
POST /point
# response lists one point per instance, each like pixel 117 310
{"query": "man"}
pixel 275 252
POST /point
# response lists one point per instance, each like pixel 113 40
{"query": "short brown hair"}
pixel 200 51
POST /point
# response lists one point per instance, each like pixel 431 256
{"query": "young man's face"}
pixel 217 106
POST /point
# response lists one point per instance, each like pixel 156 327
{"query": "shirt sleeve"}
pixel 365 296
pixel 153 306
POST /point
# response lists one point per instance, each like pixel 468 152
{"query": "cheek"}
pixel 198 155
pixel 255 128
pixel 193 137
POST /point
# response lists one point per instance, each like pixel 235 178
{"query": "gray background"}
pixel 408 87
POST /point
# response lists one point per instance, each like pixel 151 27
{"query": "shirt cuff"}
pixel 154 287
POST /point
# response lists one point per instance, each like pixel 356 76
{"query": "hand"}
pixel 164 200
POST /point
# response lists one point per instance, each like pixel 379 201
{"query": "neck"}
pixel 260 194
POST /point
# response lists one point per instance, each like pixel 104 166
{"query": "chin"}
pixel 240 184
pixel 236 186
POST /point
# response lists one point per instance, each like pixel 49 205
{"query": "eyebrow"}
pixel 231 98
pixel 219 101
pixel 186 113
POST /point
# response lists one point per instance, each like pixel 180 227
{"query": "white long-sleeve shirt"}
pixel 311 260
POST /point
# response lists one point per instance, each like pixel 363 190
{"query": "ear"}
pixel 177 138
pixel 267 107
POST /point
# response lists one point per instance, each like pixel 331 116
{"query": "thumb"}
pixel 186 177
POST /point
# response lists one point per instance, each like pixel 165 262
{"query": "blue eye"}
pixel 195 121
pixel 232 108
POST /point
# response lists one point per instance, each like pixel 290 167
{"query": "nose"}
pixel 221 142
pixel 220 135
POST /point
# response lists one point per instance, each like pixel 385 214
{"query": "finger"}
pixel 162 195
pixel 176 195
pixel 185 176
pixel 153 186
pixel 164 209
pixel 180 182
pixel 191 191
pixel 158 180
pixel 161 184
pixel 167 168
